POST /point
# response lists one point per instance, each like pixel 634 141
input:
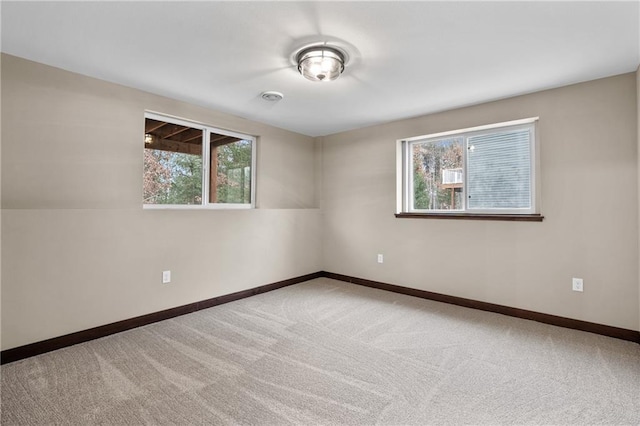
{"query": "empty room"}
pixel 320 212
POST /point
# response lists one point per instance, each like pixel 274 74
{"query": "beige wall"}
pixel 0 208
pixel 589 189
pixel 78 249
pixel 638 127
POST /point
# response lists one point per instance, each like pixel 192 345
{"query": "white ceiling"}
pixel 407 58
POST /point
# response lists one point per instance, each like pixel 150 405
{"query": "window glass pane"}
pixel 437 174
pixel 499 170
pixel 172 164
pixel 230 175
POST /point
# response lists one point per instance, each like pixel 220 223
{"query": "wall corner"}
pixel 638 136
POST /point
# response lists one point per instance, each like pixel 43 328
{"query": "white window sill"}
pixel 197 207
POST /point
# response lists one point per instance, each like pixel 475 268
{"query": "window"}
pixel 188 164
pixel 486 170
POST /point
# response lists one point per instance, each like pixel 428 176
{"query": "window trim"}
pixel 404 176
pixel 206 151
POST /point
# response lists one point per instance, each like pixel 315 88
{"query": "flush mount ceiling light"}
pixel 320 62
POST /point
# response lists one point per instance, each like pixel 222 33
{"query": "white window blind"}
pixel 499 170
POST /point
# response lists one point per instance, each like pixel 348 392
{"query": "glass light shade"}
pixel 320 63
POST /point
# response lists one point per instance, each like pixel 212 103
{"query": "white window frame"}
pixel 404 168
pixel 206 151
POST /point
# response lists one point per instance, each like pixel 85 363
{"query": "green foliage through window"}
pixel 172 178
pixel 234 173
pixel 432 161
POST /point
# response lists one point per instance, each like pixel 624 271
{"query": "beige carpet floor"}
pixel 328 352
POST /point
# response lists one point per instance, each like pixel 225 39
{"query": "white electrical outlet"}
pixel 380 258
pixel 166 277
pixel 577 284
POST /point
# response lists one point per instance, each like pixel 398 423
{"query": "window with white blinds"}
pixel 488 169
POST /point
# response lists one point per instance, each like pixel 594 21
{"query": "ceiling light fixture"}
pixel 320 63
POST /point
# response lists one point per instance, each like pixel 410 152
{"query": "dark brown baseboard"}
pixel 37 348
pixel 605 330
